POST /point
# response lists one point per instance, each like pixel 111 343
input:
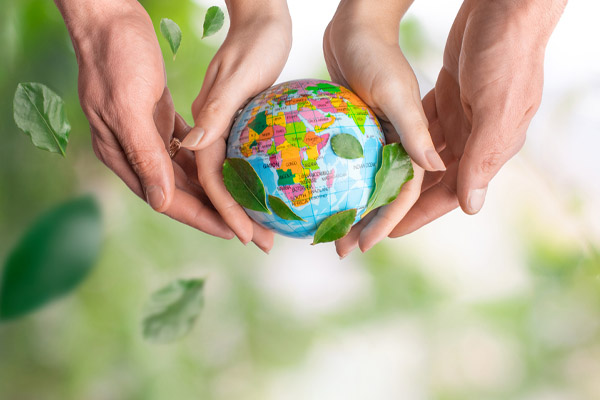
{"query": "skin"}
pixel 382 77
pixel 486 94
pixel 249 61
pixel 123 92
pixel 476 116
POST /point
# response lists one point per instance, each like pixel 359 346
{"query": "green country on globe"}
pixel 285 134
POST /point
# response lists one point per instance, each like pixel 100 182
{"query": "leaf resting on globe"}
pixel 244 184
pixel 346 146
pixel 282 210
pixel 396 169
pixel 335 227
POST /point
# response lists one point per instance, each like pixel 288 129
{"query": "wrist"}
pixel 245 12
pixel 381 17
pixel 537 18
pixel 84 19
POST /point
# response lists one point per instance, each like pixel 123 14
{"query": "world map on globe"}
pixel 285 134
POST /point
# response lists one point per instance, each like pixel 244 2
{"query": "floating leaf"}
pixel 213 21
pixel 396 169
pixel 346 146
pixel 335 226
pixel 52 258
pixel 40 113
pixel 170 30
pixel 170 312
pixel 244 184
pixel 282 210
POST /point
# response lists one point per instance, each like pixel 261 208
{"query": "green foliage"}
pixel 282 210
pixel 335 226
pixel 170 312
pixel 52 258
pixel 244 184
pixel 213 21
pixel 40 113
pixel 395 170
pixel 170 31
pixel 346 146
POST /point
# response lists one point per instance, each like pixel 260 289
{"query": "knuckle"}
pixel 490 162
pixel 143 161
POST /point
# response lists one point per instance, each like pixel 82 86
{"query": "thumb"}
pixel 146 153
pixel 487 149
pixel 213 112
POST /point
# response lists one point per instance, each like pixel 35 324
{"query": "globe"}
pixel 285 133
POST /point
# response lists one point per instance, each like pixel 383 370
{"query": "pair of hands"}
pixel 123 92
pixel 477 114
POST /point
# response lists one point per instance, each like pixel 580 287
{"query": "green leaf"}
pixel 40 113
pixel 170 30
pixel 52 258
pixel 170 312
pixel 213 21
pixel 396 169
pixel 244 184
pixel 282 210
pixel 346 146
pixel 335 226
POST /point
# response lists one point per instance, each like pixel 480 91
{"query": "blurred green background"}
pixel 504 305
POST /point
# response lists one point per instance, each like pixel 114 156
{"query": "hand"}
pixel 364 55
pixel 486 94
pixel 122 90
pixel 249 61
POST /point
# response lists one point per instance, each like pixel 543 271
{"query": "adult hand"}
pixel 486 94
pixel 362 53
pixel 249 61
pixel 122 90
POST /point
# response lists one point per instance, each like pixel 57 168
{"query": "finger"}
pixel 488 148
pixel 262 237
pixel 432 178
pixel 141 143
pixel 185 208
pixel 188 209
pixel 164 117
pixel 390 215
pixel 405 112
pixel 430 109
pixel 345 245
pixel 210 164
pixel 432 204
pixel 228 94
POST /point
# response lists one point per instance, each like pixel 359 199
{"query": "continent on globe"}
pixel 284 133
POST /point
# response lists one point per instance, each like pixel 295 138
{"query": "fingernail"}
pixel 475 200
pixel 435 161
pixel 193 138
pixel 155 196
pixel 264 249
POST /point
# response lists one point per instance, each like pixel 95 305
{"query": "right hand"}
pixel 248 62
pixel 122 90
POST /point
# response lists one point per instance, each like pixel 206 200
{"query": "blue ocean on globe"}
pixel 285 134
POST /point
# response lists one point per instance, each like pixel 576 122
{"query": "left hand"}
pixel 382 77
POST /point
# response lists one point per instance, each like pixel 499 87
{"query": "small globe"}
pixel 285 132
